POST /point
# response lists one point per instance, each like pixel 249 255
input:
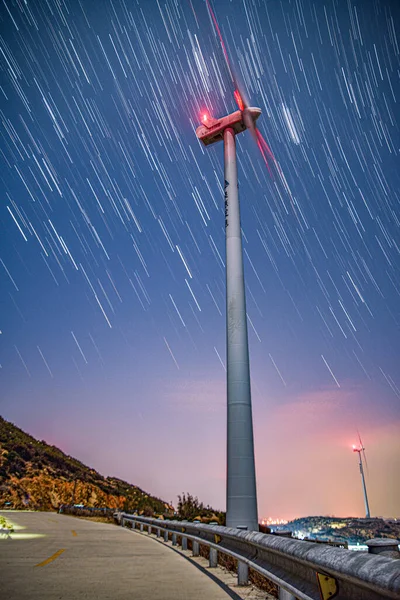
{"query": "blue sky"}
pixel 112 241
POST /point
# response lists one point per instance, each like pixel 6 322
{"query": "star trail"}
pixel 112 265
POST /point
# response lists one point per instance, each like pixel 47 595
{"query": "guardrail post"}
pixel 123 523
pixel 174 539
pixel 149 529
pixel 285 595
pixel 133 524
pixel 166 535
pixel 184 543
pixel 213 560
pixel 158 532
pixel 196 548
pixel 243 573
pixel 141 526
pixel 384 546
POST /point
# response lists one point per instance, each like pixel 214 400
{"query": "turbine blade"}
pixel 268 157
pixel 243 104
pixel 221 39
pixel 365 460
pixel 363 452
pixel 238 94
pixel 264 148
pixel 239 100
pixel 359 438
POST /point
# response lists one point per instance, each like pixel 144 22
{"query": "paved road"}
pixel 78 559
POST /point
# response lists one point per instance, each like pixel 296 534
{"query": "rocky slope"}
pixel 36 475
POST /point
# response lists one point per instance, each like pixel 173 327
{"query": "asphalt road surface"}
pixel 58 557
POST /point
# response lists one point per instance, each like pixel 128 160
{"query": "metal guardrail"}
pixel 301 570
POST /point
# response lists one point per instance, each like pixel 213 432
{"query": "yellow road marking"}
pixel 49 560
pixel 74 533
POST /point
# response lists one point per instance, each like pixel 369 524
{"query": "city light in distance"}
pixel 272 521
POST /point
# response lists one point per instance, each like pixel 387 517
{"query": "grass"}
pixel 5 524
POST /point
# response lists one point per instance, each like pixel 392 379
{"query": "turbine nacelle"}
pixel 212 130
pixel 358 448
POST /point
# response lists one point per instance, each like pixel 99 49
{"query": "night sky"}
pixel 112 248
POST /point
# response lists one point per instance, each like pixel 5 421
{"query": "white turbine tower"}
pixel 241 493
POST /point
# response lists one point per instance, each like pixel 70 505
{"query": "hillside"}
pixel 38 476
pixel 341 529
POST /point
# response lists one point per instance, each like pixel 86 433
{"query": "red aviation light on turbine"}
pixel 207 120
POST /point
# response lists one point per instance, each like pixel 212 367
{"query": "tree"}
pixel 189 506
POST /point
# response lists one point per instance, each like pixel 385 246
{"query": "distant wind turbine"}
pixel 361 451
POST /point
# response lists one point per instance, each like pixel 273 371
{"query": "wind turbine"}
pixel 361 450
pixel 241 491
